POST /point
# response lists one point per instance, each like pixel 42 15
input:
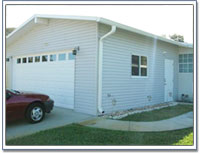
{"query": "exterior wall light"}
pixel 74 51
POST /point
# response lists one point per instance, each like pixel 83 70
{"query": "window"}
pixel 61 56
pixel 44 58
pixel 30 59
pixel 139 65
pixel 18 60
pixel 135 65
pixel 186 63
pixel 143 66
pixel 7 59
pixel 24 60
pixel 71 56
pixel 52 57
pixel 37 59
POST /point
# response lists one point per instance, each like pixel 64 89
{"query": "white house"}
pixel 94 65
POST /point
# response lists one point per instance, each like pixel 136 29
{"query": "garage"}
pixel 51 73
pixel 102 77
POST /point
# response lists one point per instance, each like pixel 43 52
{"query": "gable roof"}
pixel 38 18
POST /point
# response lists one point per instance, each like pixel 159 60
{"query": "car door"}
pixel 14 108
pixel 9 112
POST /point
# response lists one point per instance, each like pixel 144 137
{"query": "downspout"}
pixel 100 68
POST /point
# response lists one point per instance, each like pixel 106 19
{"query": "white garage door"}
pixel 51 74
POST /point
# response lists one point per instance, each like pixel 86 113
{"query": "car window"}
pixel 14 91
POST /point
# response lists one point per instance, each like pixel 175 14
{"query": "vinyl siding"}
pixel 62 35
pixel 117 81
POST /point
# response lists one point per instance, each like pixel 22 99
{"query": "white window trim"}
pixel 139 76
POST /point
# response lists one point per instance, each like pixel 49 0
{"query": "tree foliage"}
pixel 9 30
pixel 177 37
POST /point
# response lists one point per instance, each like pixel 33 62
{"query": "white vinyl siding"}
pixel 118 83
pixel 63 35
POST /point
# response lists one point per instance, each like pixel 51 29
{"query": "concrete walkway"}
pixel 179 122
pixel 58 117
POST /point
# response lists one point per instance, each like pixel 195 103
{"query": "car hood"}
pixel 34 95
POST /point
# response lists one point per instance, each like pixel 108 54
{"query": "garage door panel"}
pixel 55 79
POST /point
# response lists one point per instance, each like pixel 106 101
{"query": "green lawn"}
pixel 187 140
pixel 75 134
pixel 160 114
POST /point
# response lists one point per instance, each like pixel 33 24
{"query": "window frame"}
pixel 140 55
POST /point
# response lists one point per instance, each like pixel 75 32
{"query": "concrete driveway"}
pixel 58 117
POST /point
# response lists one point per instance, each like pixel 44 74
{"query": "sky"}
pixel 156 19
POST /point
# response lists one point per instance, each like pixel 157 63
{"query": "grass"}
pixel 187 140
pixel 160 114
pixel 75 134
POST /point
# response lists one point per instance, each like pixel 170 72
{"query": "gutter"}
pixel 100 68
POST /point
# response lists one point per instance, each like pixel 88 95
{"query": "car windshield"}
pixel 14 91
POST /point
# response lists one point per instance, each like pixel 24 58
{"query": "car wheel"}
pixel 35 113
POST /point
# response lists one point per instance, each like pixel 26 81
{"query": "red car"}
pixel 27 105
